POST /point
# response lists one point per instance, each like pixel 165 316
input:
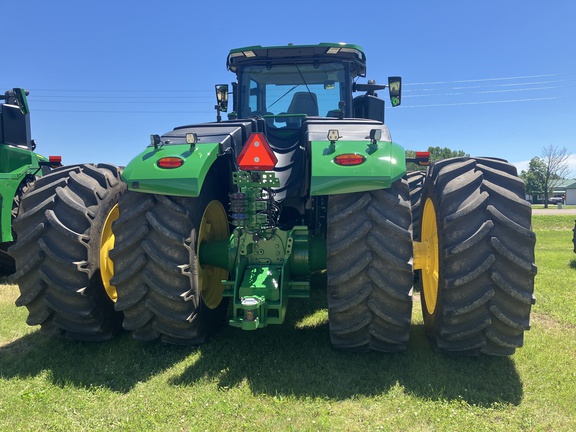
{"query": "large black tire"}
pixel 369 269
pixel 478 283
pixel 156 269
pixel 415 183
pixel 58 232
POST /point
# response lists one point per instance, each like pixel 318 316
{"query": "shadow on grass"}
pixel 290 361
pixel 573 264
pixel 117 365
pixel 277 360
pixel 301 363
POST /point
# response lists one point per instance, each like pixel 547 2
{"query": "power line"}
pixel 122 111
pixel 108 102
pixel 196 98
pixel 492 79
pixel 524 84
pixel 121 91
pixel 204 90
pixel 488 102
pixel 116 97
pixel 490 91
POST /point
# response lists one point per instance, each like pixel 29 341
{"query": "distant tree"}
pixel 534 177
pixel 556 162
pixel 436 153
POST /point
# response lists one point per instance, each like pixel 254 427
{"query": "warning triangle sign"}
pixel 256 155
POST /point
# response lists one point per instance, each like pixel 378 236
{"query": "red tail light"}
pixel 170 162
pixel 423 158
pixel 349 159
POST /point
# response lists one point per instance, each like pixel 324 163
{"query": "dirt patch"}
pixel 548 322
pixel 554 211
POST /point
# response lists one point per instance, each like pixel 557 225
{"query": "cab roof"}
pixel 326 51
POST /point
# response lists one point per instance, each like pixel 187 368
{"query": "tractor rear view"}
pixel 227 221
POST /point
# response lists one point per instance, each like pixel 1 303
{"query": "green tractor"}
pixel 227 221
pixel 19 165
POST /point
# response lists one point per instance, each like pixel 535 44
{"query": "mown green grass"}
pixel 288 378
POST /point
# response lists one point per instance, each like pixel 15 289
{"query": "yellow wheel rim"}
pixel 430 267
pixel 213 227
pixel 106 245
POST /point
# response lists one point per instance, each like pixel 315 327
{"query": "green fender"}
pixel 15 164
pixel 143 174
pixel 384 164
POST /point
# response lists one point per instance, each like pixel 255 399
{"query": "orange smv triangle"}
pixel 257 154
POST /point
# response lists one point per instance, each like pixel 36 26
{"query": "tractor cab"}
pixel 15 119
pixel 287 84
pixel 293 92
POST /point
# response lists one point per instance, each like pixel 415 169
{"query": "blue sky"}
pixel 492 78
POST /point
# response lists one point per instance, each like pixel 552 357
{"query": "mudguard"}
pixel 15 164
pixel 385 161
pixel 143 173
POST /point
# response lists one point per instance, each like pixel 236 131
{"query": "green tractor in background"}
pixel 227 221
pixel 19 165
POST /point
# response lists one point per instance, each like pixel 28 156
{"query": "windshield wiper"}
pixel 281 97
pixel 307 88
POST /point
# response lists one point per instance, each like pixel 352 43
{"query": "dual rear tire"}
pixel 369 268
pixel 478 275
pixel 156 278
pixel 91 258
pixel 58 230
pixel 474 259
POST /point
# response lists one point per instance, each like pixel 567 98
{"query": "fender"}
pixel 16 163
pixel 385 162
pixel 143 173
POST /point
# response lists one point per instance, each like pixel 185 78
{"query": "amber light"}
pixel 170 162
pixel 349 159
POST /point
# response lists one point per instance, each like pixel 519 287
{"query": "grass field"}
pixel 288 378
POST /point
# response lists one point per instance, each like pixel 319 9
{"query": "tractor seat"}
pixel 304 103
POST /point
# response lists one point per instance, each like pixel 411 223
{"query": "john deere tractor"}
pixel 19 165
pixel 227 221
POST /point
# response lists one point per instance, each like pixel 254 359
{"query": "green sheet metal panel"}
pixel 143 174
pixel 382 167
